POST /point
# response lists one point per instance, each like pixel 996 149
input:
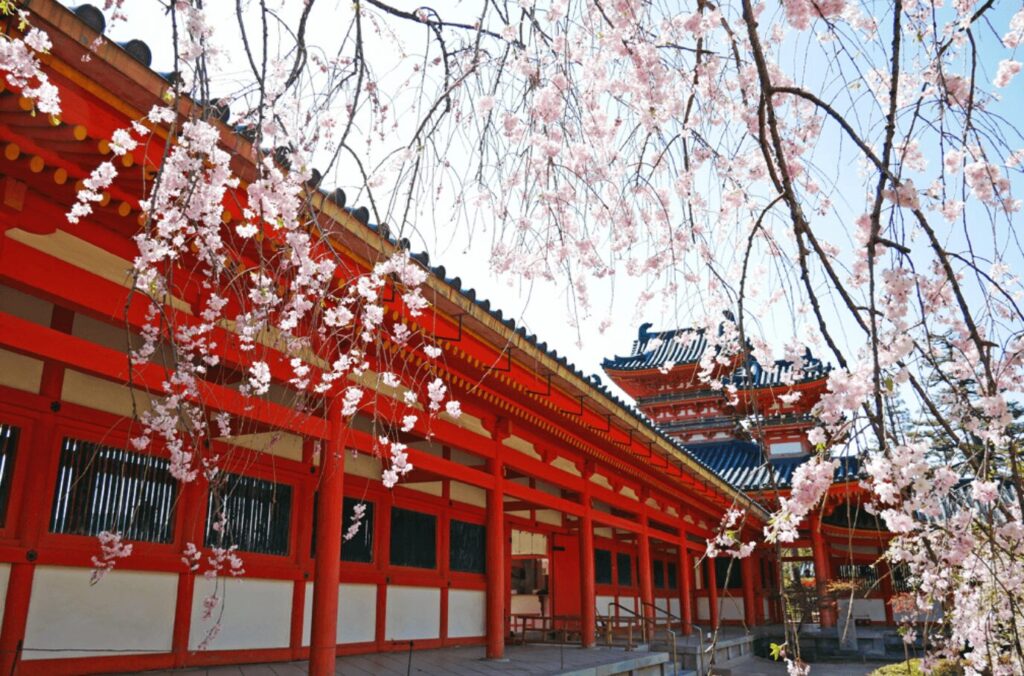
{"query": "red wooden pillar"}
pixel 303 537
pixel 588 598
pixel 323 640
pixel 496 561
pixel 35 507
pixel 748 571
pixel 712 592
pixel 885 580
pixel 685 565
pixel 822 572
pixel 646 587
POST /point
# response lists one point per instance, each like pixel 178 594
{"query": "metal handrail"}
pixel 629 627
pixel 668 628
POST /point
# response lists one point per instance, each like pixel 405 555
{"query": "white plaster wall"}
pixel 662 603
pixel 703 613
pixel 466 613
pixel 602 604
pixel 412 612
pixel 673 607
pixel 357 613
pixel 256 613
pixel 627 602
pixel 874 609
pixel 730 608
pixel 126 611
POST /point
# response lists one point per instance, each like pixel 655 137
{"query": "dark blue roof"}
pixel 742 464
pixel 652 350
pixel 656 349
pixel 753 375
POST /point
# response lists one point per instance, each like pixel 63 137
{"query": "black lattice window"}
pixel 727 573
pixel 673 580
pixel 8 449
pixel 413 539
pixel 625 569
pixel 255 513
pixel 101 488
pixel 467 547
pixel 855 572
pixel 602 566
pixel 360 548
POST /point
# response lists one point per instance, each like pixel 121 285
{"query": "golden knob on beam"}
pixel 127 160
pixel 12 151
pixel 26 104
pixel 124 209
pixel 60 175
pixel 80 132
pixel 225 217
pixel 105 200
pixel 103 146
pixel 36 164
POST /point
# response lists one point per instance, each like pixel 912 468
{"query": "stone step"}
pixel 734 667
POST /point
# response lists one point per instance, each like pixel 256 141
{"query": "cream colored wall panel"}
pixel 549 488
pixel 730 608
pixel 471 495
pixel 82 254
pixel 766 608
pixel 629 493
pixel 525 604
pixel 549 516
pixel 528 543
pixel 522 446
pixel 362 464
pixel 466 612
pixel 565 465
pixel 603 532
pixel 464 458
pixel 101 333
pixel 127 611
pixel 435 488
pixel 256 613
pixel 20 372
pixel 5 575
pixel 428 447
pixel 281 444
pixel 673 607
pixel 102 395
pixel 24 306
pixel 600 480
pixel 357 613
pixel 412 613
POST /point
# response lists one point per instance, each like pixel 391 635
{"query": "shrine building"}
pixel 751 430
pixel 549 505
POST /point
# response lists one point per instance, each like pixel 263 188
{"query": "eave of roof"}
pixel 151 86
